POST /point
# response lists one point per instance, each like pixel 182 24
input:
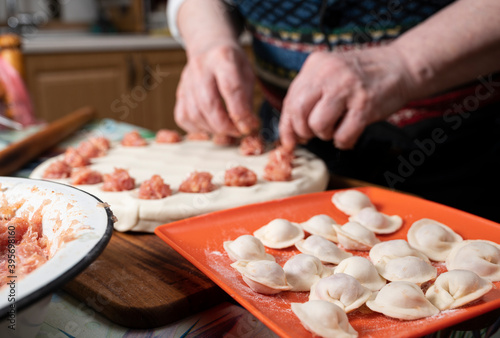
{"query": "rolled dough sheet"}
pixel 174 162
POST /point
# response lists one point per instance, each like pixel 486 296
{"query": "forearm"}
pixel 203 23
pixel 456 45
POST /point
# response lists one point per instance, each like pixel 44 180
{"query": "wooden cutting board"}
pixel 141 282
pixel 19 153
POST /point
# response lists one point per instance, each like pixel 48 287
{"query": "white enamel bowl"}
pixel 69 213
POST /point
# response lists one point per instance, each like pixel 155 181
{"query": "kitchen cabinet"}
pixel 154 93
pixel 136 87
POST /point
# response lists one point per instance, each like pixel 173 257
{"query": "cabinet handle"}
pixel 132 72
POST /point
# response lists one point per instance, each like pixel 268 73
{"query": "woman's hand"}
pixel 215 91
pixel 337 94
pixel 216 86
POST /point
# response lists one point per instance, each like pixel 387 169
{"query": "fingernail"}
pixel 248 124
pixel 341 146
pixel 243 127
pixel 301 140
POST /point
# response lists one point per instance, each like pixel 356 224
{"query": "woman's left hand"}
pixel 337 94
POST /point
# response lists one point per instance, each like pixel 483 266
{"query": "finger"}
pixel 214 112
pixel 181 118
pixel 194 114
pixel 219 122
pixel 237 93
pixel 300 125
pixel 325 116
pixel 350 129
pixel 359 115
pixel 288 138
pixel 298 104
pixel 192 106
pixel 298 108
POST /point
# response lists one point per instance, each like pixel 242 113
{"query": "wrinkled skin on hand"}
pixel 336 95
pixel 215 92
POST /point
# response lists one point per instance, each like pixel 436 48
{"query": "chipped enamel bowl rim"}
pixel 71 258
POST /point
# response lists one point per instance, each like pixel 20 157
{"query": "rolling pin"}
pixel 19 153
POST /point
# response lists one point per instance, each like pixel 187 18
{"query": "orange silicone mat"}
pixel 200 239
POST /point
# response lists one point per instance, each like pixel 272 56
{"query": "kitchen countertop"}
pixel 70 42
pixel 61 41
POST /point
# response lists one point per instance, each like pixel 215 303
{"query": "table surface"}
pixel 69 317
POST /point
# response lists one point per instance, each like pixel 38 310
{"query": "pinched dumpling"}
pixel 304 270
pixel 432 238
pixel 266 277
pixel 363 270
pixel 376 221
pixel 321 225
pixel 351 201
pixel 354 236
pixel 402 300
pixel 324 319
pixel 455 288
pixel 326 251
pixel 247 248
pixel 341 289
pixel 479 256
pixel 394 248
pixel 409 268
pixel 279 234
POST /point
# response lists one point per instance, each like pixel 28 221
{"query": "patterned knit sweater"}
pixel 285 32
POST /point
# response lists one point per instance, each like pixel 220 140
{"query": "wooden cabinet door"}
pixel 137 87
pixel 61 83
pixel 134 87
pixel 160 73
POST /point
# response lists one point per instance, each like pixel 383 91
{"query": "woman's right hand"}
pixel 216 89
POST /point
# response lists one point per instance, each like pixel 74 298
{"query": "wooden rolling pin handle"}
pixel 17 154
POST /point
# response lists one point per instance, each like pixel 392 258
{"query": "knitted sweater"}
pixel 285 32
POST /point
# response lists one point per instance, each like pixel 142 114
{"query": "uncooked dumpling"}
pixel 363 270
pixel 455 288
pixel 409 268
pixel 326 251
pixel 324 319
pixel 351 201
pixel 354 236
pixel 376 221
pixel 246 248
pixel 279 234
pixel 342 290
pixel 304 270
pixel 395 248
pixel 321 225
pixel 432 238
pixel 402 300
pixel 266 277
pixel 479 256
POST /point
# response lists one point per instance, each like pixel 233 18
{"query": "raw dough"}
pixel 174 162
